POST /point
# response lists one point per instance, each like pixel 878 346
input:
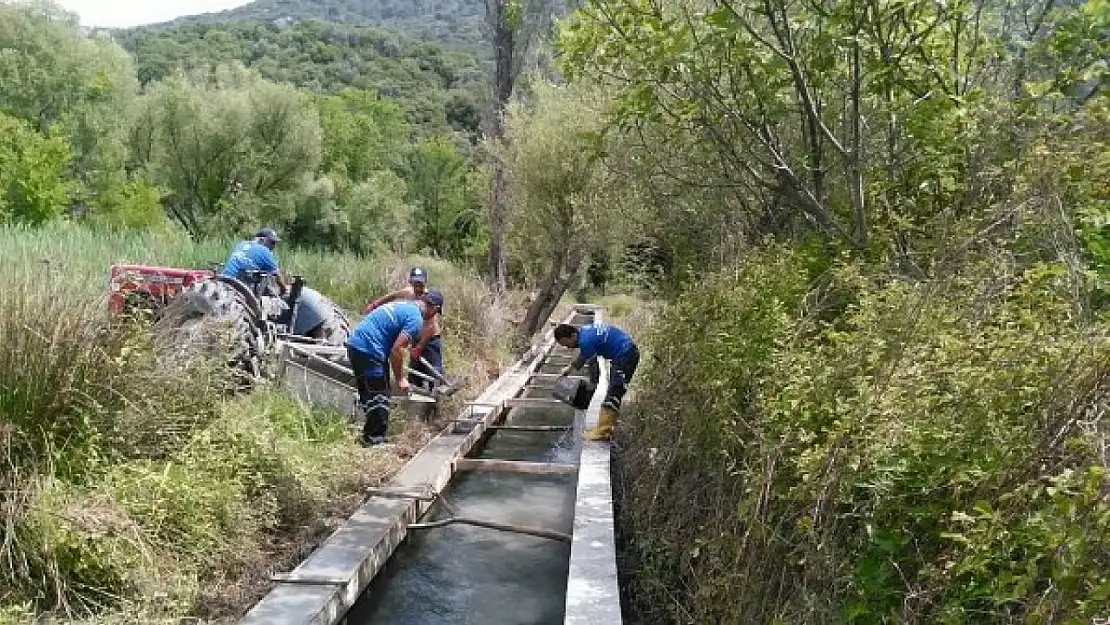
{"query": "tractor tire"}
pixel 213 300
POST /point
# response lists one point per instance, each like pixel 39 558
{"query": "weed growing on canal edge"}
pixel 134 490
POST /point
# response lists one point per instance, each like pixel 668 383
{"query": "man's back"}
pixel 250 256
pixel 379 330
pixel 609 342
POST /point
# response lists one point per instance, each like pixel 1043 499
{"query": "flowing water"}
pixel 466 575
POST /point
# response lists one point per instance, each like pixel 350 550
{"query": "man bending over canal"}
pixel 386 334
pixel 613 344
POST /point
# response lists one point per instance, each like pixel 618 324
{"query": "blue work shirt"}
pixel 379 330
pixel 250 256
pixel 609 342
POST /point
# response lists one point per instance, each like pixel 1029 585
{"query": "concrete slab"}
pixel 354 554
pixel 593 591
pixel 358 550
pixel 318 605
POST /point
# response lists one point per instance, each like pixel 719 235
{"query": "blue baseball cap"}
pixel 268 234
pixel 435 298
pixel 418 275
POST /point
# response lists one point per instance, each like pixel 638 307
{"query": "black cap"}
pixel 269 234
pixel 435 298
pixel 418 275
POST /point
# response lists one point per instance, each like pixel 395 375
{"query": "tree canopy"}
pixel 325 131
pixel 454 24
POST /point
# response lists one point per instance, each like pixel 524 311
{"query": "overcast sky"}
pixel 122 13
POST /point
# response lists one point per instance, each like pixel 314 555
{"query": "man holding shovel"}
pixel 385 334
pixel 426 358
pixel 613 344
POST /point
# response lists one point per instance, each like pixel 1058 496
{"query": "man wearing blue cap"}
pixel 255 255
pixel 595 340
pixel 376 347
pixel 430 344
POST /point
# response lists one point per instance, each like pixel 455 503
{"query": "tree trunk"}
pixel 855 157
pixel 554 285
pixel 502 37
pixel 498 224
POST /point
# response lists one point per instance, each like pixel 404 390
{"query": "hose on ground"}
pixel 518 529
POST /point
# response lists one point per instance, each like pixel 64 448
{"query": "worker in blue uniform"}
pixel 430 345
pixel 255 255
pixel 377 348
pixel 613 344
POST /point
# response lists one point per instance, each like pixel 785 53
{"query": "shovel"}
pixel 449 388
pixel 446 389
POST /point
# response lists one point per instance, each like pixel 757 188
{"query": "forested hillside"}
pixel 439 90
pixel 213 147
pixel 454 24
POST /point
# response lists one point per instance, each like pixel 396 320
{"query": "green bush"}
pixel 848 447
pixel 33 187
pixel 16 614
pixel 150 535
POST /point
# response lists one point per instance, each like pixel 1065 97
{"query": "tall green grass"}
pixel 132 486
pixel 79 258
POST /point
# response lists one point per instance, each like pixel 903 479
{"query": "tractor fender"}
pixel 318 317
pixel 312 310
pixel 248 296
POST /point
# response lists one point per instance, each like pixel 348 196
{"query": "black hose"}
pixel 518 529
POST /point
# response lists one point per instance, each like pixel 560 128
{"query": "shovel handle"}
pixel 421 375
pixel 434 371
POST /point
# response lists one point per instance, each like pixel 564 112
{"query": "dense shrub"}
pixel 77 397
pixel 857 448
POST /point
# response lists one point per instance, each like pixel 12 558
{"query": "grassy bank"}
pixel 839 445
pixel 133 490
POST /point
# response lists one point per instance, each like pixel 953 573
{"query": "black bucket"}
pixel 575 392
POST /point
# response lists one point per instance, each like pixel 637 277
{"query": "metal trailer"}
pixel 320 375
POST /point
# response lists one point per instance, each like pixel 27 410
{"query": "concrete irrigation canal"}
pixel 505 518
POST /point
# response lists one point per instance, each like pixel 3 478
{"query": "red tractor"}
pixel 151 288
pixel 255 312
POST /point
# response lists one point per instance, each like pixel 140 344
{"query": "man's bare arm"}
pixel 574 366
pixel 428 333
pixel 397 359
pixel 385 299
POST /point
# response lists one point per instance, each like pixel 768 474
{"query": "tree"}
pixel 513 27
pixel 362 133
pixel 331 212
pixel 569 202
pixel 380 219
pixel 33 185
pixel 765 103
pixel 59 81
pixel 229 147
pixel 439 190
